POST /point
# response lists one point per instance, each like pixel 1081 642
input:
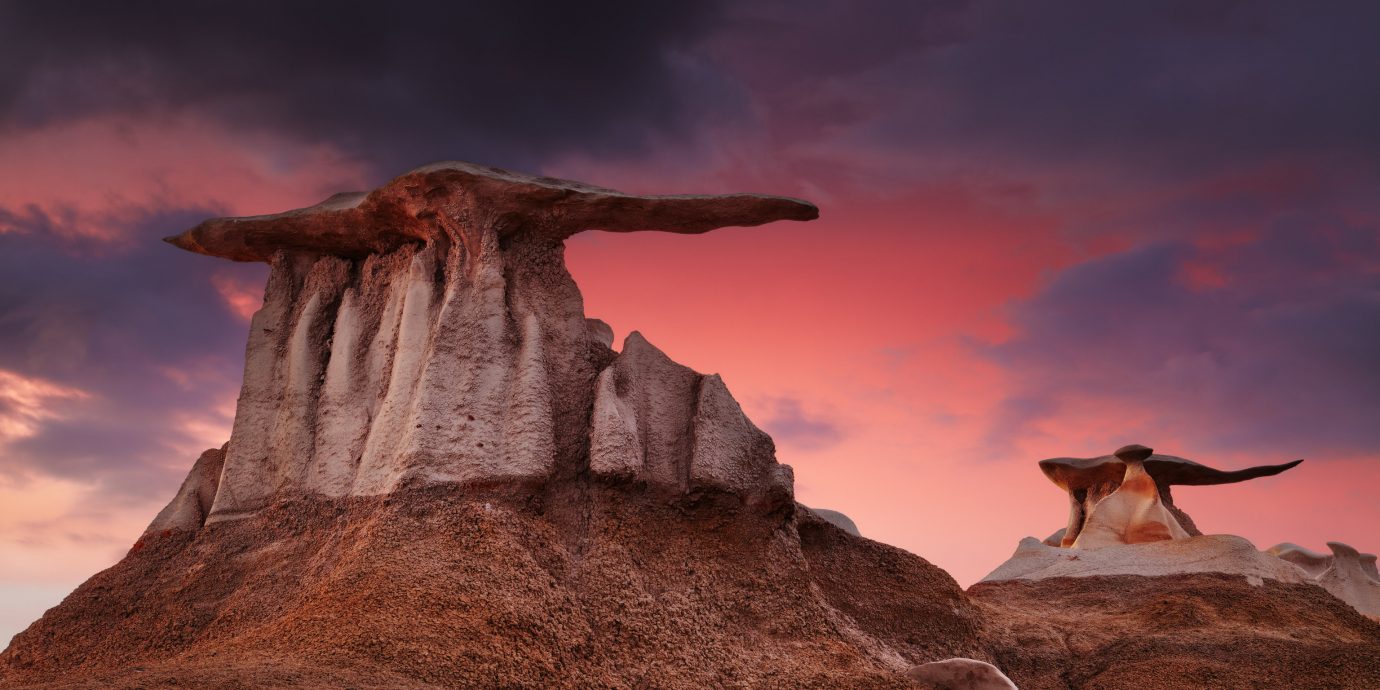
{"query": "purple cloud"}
pixel 137 328
pixel 789 423
pixel 1278 356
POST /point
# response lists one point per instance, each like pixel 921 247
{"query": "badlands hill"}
pixel 443 474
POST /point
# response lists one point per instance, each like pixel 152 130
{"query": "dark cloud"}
pixel 788 423
pixel 509 83
pixel 1163 85
pixel 1275 354
pixel 1096 95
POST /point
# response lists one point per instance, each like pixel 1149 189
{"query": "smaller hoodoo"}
pixel 1132 595
pixel 1124 498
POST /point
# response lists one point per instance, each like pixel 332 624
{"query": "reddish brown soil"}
pixel 1188 631
pixel 577 587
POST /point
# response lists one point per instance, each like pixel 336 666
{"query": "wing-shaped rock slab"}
pixel 457 198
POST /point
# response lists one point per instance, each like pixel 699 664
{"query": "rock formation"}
pixel 1130 595
pixel 429 332
pixel 442 474
pixel 961 674
pixel 1124 498
pixel 1218 553
pixel 837 519
pixel 1346 573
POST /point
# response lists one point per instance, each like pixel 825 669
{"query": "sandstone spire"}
pixel 429 332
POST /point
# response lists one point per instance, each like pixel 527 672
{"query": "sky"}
pixel 1047 229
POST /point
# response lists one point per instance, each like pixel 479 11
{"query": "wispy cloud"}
pixel 790 424
pixel 27 402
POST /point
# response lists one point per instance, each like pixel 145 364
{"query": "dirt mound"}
pixel 506 587
pixel 1181 631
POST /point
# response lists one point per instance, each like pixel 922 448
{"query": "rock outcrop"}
pixel 961 674
pixel 837 519
pixel 429 332
pixel 1346 573
pixel 442 474
pixel 1131 596
pixel 1218 553
pixel 1125 498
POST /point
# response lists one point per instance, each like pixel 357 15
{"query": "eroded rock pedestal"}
pixel 1132 595
pixel 442 474
pixel 429 332
pixel 1125 498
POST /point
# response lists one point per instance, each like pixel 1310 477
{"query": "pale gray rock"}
pixel 1219 553
pixel 836 519
pixel 429 332
pixel 662 424
pixel 1348 580
pixel 1345 573
pixel 191 505
pixel 600 332
pixel 1311 561
pixel 961 674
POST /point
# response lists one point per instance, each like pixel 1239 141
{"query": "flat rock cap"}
pixel 410 207
pixel 1073 474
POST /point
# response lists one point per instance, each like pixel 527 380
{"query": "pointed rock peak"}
pixel 1345 552
pixel 637 346
pixel 440 199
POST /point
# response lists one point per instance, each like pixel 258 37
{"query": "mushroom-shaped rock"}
pixel 961 674
pixel 429 332
pixel 1124 498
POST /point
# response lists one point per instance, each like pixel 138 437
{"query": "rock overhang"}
pixel 429 332
pixel 417 206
